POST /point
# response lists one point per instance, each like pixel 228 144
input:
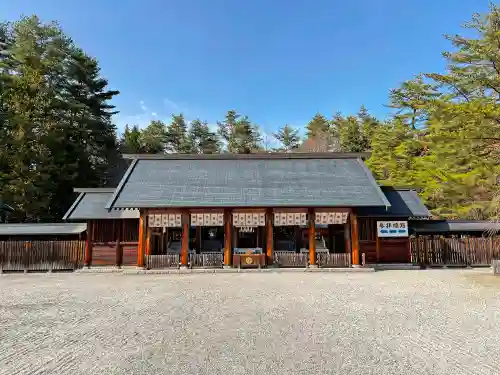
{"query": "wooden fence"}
pixel 207 259
pixel 163 261
pixel 327 260
pixel 41 255
pixel 439 251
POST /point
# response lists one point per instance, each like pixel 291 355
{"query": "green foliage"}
pixel 288 137
pixel 56 131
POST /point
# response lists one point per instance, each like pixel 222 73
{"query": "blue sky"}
pixel 276 61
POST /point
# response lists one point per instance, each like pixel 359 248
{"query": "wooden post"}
pixel 377 245
pixel 354 239
pixel 312 238
pixel 227 237
pixel 89 243
pixel 148 241
pixel 141 248
pixel 118 247
pixel 185 239
pixel 269 236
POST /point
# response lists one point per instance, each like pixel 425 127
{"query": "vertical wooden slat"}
pixel 118 252
pixel 89 243
pixel 185 239
pixel 354 239
pixel 269 236
pixel 312 238
pixel 227 237
pixel 377 247
pixel 142 238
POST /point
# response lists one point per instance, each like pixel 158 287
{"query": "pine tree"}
pixel 202 140
pixel 288 137
pixel 130 142
pixel 411 100
pixel 177 136
pixel 238 134
pixel 153 139
pixel 318 125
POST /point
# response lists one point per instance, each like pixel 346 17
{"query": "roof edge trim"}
pixel 94 190
pixel 73 206
pixel 262 156
pixel 374 183
pixel 120 186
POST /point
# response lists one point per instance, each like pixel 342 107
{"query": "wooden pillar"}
pixel 185 239
pixel 228 226
pixel 269 236
pixel 354 239
pixel 148 241
pixel 141 247
pixel 298 238
pixel 312 238
pixel 89 243
pixel 118 250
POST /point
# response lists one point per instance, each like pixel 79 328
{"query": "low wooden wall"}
pixel 439 251
pixel 105 254
pixel 41 255
pixel 392 250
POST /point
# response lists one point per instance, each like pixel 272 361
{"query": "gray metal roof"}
pixel 258 180
pixel 91 203
pixel 455 226
pixel 404 203
pixel 41 229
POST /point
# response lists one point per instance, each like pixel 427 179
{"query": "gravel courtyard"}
pixel 392 322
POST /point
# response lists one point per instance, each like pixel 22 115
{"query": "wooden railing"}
pixel 162 261
pixel 41 255
pixel 439 251
pixel 207 259
pixel 291 259
pixel 333 259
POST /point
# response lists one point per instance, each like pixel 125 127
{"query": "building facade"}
pixel 244 210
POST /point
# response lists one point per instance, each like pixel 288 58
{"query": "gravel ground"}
pixel 392 322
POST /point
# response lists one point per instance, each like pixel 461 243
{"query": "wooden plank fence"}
pixel 291 259
pixel 440 251
pixel 41 255
pixel 327 260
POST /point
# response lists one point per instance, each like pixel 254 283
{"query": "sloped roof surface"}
pixel 91 203
pixel 404 203
pixel 41 229
pixel 247 181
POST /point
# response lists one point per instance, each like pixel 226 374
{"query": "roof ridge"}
pixel 257 156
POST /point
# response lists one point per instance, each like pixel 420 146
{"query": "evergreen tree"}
pixel 411 100
pixel 288 137
pixel 202 140
pixel 177 136
pixel 153 139
pixel 238 134
pixel 319 125
pixel 130 142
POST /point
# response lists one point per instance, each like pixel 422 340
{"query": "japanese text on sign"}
pixel 392 229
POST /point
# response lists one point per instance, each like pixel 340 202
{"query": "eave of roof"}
pixel 90 205
pixel 42 229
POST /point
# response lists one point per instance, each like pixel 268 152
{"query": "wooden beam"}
pixel 141 248
pixel 269 236
pixel 89 243
pixel 185 239
pixel 354 239
pixel 312 238
pixel 227 237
